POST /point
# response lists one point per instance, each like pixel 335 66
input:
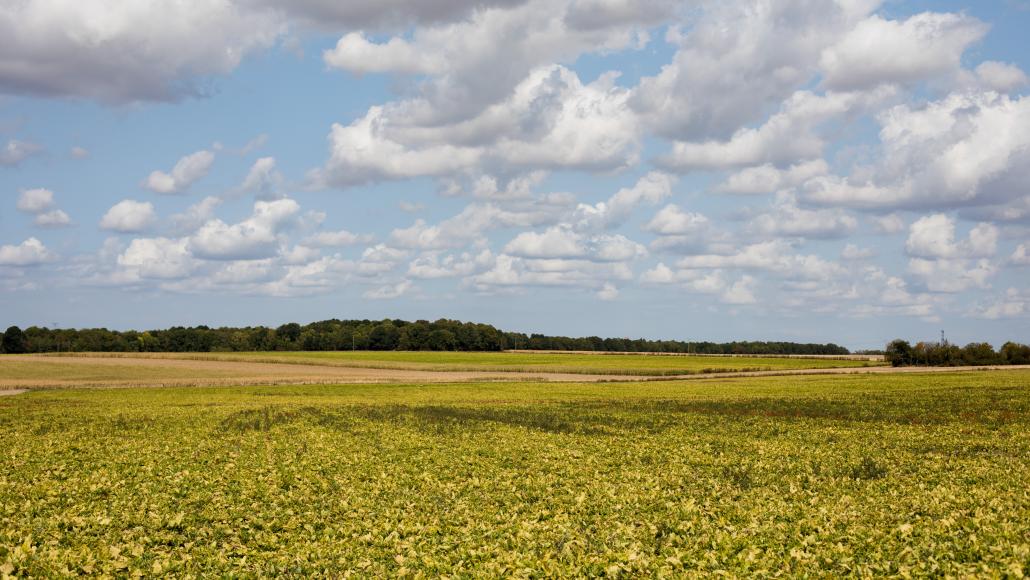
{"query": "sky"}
pixel 808 170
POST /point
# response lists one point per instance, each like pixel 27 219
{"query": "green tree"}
pixel 14 341
pixel 899 353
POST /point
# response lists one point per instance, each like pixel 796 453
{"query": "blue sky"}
pixel 844 171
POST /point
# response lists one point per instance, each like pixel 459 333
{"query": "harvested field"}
pixel 170 370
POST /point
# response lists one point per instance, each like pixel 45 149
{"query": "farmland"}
pixel 106 365
pixel 826 475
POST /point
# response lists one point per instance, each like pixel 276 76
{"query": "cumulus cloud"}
pixel 40 203
pixel 1020 256
pixel 551 120
pixel 650 189
pixel 195 215
pixel 736 60
pixel 878 50
pixel 563 243
pixel 35 200
pixel 608 292
pixel 129 216
pixel 741 292
pixel 933 236
pixel 263 180
pixel 434 265
pixel 514 273
pixel 461 57
pixel 17 151
pixel 256 237
pixel 52 219
pixel 851 252
pixel 389 291
pixel 943 264
pixel 140 51
pixel 1000 76
pixel 768 178
pixel 469 226
pixel 790 136
pixel 1012 304
pixel 31 252
pixel 337 238
pixel 159 258
pixel 967 149
pixel 787 219
pixel 889 224
pixel 186 172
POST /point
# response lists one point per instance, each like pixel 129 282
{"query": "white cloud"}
pixel 52 219
pixel 35 200
pixel 1013 304
pixel 851 252
pixel 195 215
pixel 969 149
pixel 684 232
pixel 31 252
pixel 129 216
pixel 389 291
pixel 262 179
pixel 186 172
pixel 145 50
pixel 17 151
pixel 788 137
pixel 470 225
pixel 336 239
pixel 560 242
pixel 735 59
pixel 933 236
pixel 512 273
pixel 943 264
pixel 787 219
pixel 952 275
pixel 159 258
pixel 461 57
pixel 434 265
pixel 768 178
pixel 256 237
pixel 889 224
pixel 551 120
pixel 650 189
pixel 1021 256
pixel 880 51
pixel 741 292
pixel 555 242
pixel 608 292
pixel 1000 76
pixel 356 54
pixel 78 152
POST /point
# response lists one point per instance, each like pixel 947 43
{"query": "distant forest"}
pixel 328 335
pixel 901 353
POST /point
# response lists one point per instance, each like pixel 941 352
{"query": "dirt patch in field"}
pixel 11 392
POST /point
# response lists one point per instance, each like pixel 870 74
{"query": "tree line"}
pixel 335 335
pixel 936 354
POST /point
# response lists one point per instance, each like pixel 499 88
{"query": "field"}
pixel 89 369
pixel 921 474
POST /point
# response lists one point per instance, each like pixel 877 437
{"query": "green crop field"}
pixel 526 362
pixel 915 474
